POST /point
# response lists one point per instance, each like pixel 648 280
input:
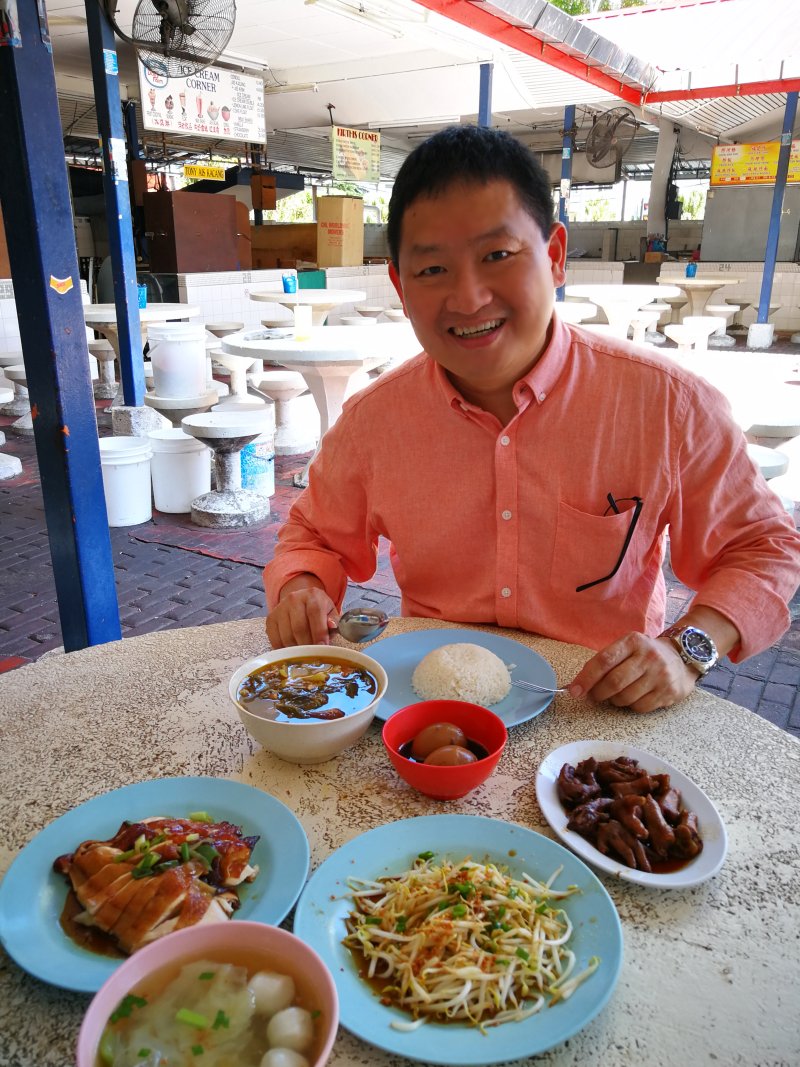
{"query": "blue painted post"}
pixel 103 55
pixel 34 191
pixel 485 95
pixel 771 255
pixel 567 151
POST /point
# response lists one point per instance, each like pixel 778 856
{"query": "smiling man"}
pixel 525 471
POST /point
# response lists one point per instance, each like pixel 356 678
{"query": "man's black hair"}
pixel 469 155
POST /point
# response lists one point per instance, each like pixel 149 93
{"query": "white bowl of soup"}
pixel 308 703
pixel 238 992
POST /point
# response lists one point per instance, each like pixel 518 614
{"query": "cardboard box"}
pixel 655 257
pixel 282 244
pixel 340 237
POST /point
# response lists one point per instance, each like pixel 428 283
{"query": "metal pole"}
pixel 103 55
pixel 485 95
pixel 34 190
pixel 567 151
pixel 771 255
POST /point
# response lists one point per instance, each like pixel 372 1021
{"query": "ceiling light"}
pixel 306 87
pixel 357 14
pixel 393 124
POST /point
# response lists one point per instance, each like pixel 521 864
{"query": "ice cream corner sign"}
pixel 211 102
pixel 751 164
pixel 356 154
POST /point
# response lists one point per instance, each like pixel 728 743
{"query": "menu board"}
pixel 751 164
pixel 209 103
pixel 356 154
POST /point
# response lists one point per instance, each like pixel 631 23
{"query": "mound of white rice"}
pixel 462 672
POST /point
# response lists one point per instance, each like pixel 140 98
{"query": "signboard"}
pixel 197 172
pixel 751 164
pixel 356 154
pixel 210 103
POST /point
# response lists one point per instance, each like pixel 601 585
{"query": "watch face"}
pixel 698 645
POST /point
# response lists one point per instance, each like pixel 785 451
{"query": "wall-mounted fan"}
pixel 610 138
pixel 177 38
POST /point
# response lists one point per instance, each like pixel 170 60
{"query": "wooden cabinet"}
pixel 195 232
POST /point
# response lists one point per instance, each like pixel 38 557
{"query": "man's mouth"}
pixel 477 331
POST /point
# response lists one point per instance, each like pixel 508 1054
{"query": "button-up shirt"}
pixel 501 524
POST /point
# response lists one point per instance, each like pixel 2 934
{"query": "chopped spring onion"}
pixel 126 1006
pixel 200 816
pixel 192 1018
pixel 221 1021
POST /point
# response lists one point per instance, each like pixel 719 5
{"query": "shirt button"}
pixel 505 591
pixel 542 396
pixel 505 440
pixel 506 514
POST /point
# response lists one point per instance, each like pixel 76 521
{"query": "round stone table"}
pixel 710 975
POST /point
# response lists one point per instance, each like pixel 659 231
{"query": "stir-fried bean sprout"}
pixel 464 942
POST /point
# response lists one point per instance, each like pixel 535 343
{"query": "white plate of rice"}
pixel 400 656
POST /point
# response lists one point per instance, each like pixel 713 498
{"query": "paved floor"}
pixel 170 574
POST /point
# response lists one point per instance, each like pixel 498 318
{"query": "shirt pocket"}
pixel 588 547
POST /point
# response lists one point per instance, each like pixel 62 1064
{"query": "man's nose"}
pixel 469 292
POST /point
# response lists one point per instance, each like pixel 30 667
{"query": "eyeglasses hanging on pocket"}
pixel 613 505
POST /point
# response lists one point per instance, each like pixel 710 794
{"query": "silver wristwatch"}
pixel 694 646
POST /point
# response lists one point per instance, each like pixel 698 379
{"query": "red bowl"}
pixel 445 783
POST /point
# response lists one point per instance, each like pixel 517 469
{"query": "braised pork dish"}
pixel 295 689
pixel 156 876
pixel 628 814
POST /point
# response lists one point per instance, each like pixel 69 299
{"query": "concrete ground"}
pixel 171 574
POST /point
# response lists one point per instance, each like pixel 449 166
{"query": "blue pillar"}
pixel 103 55
pixel 485 95
pixel 34 191
pixel 567 152
pixel 771 255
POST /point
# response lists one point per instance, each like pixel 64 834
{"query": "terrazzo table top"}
pixel 710 974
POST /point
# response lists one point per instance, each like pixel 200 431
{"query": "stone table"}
pixel 710 974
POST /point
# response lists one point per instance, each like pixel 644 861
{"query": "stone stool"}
pixel 653 336
pixel 10 466
pixel 676 303
pixel 292 437
pixel 105 388
pixel 21 404
pixel 682 336
pixel 741 305
pixel 769 461
pixel 395 315
pixel 370 311
pixel 702 326
pixel 642 323
pixel 222 329
pixel 721 338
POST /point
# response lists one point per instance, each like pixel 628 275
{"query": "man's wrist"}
pixel 695 647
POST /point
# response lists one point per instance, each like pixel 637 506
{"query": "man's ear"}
pixel 557 251
pixel 395 277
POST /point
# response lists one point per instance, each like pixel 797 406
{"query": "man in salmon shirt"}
pixel 526 471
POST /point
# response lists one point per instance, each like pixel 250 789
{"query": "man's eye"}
pixel 427 272
pixel 499 254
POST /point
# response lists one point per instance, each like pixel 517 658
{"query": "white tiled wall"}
pixel 9 327
pixel 594 272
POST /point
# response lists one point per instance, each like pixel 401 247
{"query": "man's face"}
pixel 477 280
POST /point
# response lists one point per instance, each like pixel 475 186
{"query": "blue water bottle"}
pixel 691 270
pixel 289 282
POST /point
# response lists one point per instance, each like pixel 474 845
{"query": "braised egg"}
pixel 437 735
pixel 450 756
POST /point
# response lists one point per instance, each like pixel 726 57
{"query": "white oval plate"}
pixel 712 828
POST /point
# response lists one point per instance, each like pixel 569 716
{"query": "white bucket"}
pixel 125 466
pixel 178 355
pixel 258 465
pixel 180 469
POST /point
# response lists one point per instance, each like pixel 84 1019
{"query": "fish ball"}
pixel 291 1028
pixel 283 1057
pixel 271 992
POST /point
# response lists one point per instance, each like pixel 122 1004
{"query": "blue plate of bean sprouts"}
pixel 462 940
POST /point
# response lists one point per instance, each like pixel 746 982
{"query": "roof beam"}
pixel 475 17
pixel 779 85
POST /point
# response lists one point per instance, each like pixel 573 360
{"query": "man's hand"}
pixel 305 614
pixel 637 672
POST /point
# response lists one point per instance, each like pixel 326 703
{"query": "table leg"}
pixel 328 386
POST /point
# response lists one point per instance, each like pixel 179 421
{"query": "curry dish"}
pixel 298 689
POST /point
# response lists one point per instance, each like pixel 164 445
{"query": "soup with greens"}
pixel 307 689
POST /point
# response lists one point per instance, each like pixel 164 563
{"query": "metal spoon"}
pixel 522 684
pixel 361 624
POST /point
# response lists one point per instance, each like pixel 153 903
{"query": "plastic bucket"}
pixel 125 466
pixel 258 465
pixel 180 470
pixel 178 356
